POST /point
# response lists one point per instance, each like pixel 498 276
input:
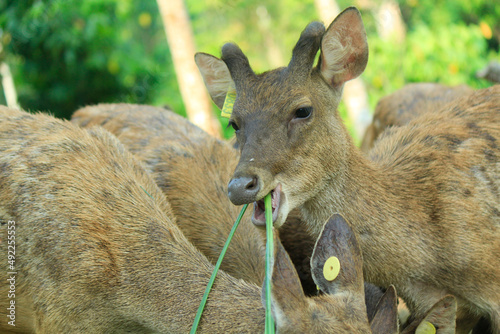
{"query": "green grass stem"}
pixel 214 273
pixel 269 328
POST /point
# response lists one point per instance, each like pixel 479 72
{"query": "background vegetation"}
pixel 66 54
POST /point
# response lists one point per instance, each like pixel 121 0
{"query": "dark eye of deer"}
pixel 233 125
pixel 303 112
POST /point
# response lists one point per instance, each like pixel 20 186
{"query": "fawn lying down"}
pixel 424 203
pixel 294 313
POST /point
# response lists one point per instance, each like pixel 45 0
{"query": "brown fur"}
pixel 400 107
pixel 424 204
pixel 442 316
pixel 94 252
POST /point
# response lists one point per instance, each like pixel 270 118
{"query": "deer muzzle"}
pixel 243 189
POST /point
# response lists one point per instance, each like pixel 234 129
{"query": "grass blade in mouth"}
pixel 269 253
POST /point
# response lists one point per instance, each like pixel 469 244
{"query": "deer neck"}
pixel 364 194
pixel 368 199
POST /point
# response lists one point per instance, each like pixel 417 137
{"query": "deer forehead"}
pixel 278 92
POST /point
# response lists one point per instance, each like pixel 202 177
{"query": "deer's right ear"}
pixel 344 49
pixel 215 75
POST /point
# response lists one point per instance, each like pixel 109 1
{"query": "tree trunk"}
pixel 181 43
pixel 390 23
pixel 355 96
pixel 274 56
pixel 8 86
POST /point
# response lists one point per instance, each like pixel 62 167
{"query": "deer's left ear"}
pixel 440 319
pixel 215 75
pixel 344 49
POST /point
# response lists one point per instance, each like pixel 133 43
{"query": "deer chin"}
pixel 278 203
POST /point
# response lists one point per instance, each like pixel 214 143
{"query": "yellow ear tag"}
pixel 227 108
pixel 426 328
pixel 331 268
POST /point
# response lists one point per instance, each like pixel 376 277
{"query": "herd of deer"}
pixel 119 215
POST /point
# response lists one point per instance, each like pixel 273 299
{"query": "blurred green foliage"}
pixel 444 44
pixel 66 54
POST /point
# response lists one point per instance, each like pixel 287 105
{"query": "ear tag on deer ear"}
pixel 426 328
pixel 331 269
pixel 227 108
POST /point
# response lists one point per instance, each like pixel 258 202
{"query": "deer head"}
pixel 286 120
pixel 342 308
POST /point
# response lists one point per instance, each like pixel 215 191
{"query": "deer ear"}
pixel 443 315
pixel 216 76
pixel 385 320
pixel 287 294
pixel 336 263
pixel 344 49
pixel 441 318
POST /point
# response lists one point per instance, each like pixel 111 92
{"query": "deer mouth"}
pixel 259 208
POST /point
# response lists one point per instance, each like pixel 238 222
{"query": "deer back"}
pixel 407 103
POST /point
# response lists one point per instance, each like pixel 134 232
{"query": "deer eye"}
pixel 304 112
pixel 233 125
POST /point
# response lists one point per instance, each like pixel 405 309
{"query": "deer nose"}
pixel 243 189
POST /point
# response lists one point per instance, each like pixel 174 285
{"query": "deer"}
pixel 424 201
pixel 405 104
pixel 166 143
pixel 98 250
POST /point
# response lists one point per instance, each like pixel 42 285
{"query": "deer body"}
pixel 407 103
pixel 413 213
pixel 424 204
pixel 95 253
